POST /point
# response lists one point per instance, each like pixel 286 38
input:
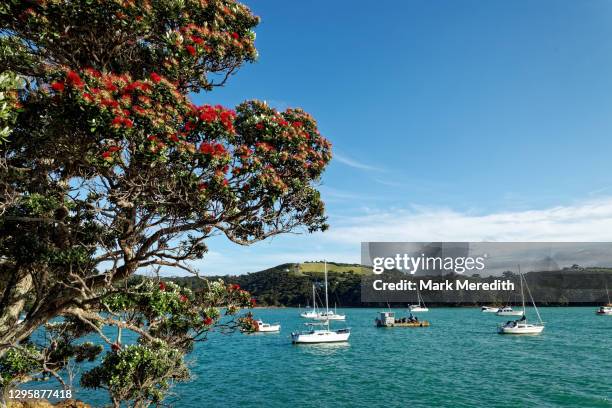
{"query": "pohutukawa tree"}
pixel 110 169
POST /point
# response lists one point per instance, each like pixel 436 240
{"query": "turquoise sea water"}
pixel 460 361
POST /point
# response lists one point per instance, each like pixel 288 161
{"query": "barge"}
pixel 388 319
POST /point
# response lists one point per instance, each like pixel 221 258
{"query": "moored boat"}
pixel 420 306
pixel 267 327
pixel 522 326
pixel 324 335
pixel 388 319
pixel 605 310
pixel 508 311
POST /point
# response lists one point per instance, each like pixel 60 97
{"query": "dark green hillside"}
pixel 291 285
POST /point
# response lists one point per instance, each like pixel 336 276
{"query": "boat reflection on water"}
pixel 323 349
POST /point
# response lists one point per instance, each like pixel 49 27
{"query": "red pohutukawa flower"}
pixel 191 50
pixel 208 113
pixel 74 79
pixel 155 77
pixel 58 86
pixel 162 286
pixel 212 149
pixel 208 321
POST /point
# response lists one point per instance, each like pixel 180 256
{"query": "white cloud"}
pixel 354 163
pixel 586 221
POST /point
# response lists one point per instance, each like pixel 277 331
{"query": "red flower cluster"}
pixel 191 50
pixel 208 321
pixel 58 86
pixel 119 121
pixel 162 286
pixel 208 113
pixel 108 153
pixel 155 77
pixel 72 78
pixel 212 149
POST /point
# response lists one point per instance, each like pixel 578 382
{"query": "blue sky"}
pixel 470 120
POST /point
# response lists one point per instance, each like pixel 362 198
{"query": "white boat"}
pixel 324 335
pixel 605 310
pixel 489 309
pixel 329 315
pixel 267 327
pixel 508 311
pixel 312 313
pixel 522 326
pixel 420 307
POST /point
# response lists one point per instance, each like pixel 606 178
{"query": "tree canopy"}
pixel 108 168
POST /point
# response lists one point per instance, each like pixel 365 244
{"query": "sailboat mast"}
pixel 314 300
pixel 326 297
pixel 522 292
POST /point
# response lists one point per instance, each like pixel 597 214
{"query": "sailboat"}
pixel 325 334
pixel 420 307
pixel 329 315
pixel 605 310
pixel 522 326
pixel 312 313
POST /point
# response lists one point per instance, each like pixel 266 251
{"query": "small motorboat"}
pixel 267 327
pixel 605 310
pixel 508 311
pixel 489 309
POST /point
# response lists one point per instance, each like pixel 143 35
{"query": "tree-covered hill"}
pixel 291 285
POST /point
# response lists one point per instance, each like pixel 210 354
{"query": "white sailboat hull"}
pixel 418 309
pixel 321 336
pixel 309 315
pixel 521 328
pixel 323 316
pixel 510 313
pixel 487 309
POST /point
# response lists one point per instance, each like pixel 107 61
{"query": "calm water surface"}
pixel 460 361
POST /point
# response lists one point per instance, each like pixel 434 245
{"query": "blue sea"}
pixel 460 361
